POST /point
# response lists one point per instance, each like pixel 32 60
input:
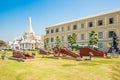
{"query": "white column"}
pixel 95 23
pixel 78 37
pixel 24 45
pixel 20 46
pixel 86 37
pixel 86 25
pixel 86 31
pixel 105 22
pixel 105 34
pixel 117 19
pixel 31 46
pixel 117 31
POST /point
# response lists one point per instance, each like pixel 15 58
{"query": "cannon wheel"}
pixel 56 51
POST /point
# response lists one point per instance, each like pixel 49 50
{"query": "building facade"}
pixel 28 41
pixel 104 24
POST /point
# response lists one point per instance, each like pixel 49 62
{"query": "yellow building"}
pixel 104 24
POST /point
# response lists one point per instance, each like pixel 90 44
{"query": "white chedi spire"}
pixel 30 30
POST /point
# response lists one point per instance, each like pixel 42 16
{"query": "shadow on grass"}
pixel 96 62
pixel 89 64
pixel 68 65
pixel 85 63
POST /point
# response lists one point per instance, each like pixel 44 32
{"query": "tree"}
pixel 46 42
pixel 115 42
pixel 93 38
pixel 3 43
pixel 58 41
pixel 72 39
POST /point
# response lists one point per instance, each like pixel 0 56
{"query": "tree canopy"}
pixel 46 43
pixel 3 43
pixel 72 39
pixel 93 38
pixel 58 41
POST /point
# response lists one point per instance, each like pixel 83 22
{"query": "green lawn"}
pixel 60 69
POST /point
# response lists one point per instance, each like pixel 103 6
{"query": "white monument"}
pixel 28 41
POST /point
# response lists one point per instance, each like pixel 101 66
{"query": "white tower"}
pixel 30 30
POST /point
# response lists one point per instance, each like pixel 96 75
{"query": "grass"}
pixel 60 69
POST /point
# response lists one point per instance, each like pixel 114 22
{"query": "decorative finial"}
pixel 30 30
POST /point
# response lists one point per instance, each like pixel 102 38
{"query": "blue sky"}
pixel 14 14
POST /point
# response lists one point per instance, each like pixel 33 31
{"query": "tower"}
pixel 30 30
pixel 31 33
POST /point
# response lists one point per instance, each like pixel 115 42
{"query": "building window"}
pixel 68 28
pixel 52 46
pixel 62 29
pixel 82 26
pixel 74 27
pixel 111 34
pixel 111 20
pixel 100 45
pixel 52 39
pixel 62 38
pixel 57 30
pixel 52 31
pixel 90 24
pixel 82 36
pixel 100 35
pixel 47 32
pixel 100 22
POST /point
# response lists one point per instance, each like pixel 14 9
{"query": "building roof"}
pixel 100 14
